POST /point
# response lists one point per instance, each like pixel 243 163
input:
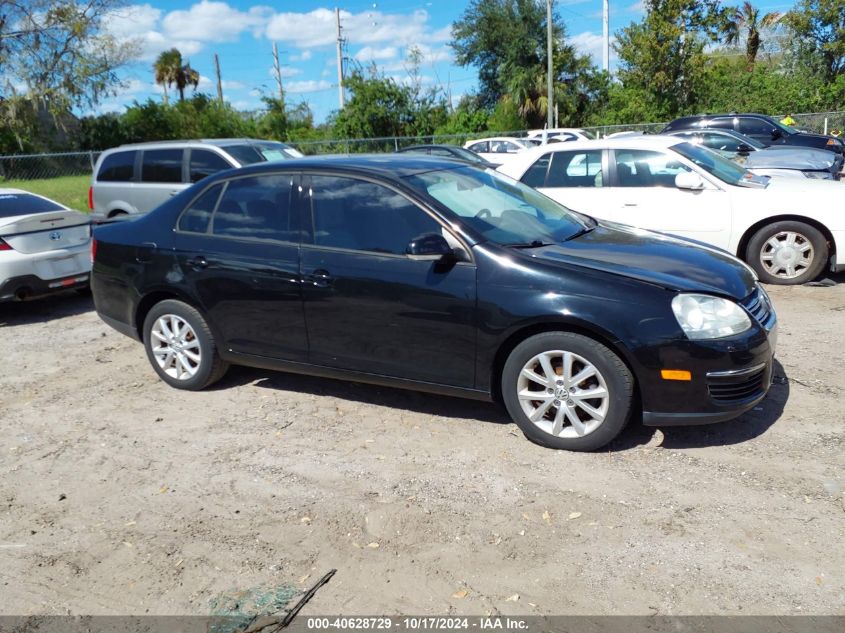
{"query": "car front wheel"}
pixel 181 347
pixel 567 391
pixel 787 253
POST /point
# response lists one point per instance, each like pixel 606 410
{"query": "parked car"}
pixel 449 151
pixel 44 246
pixel 423 273
pixel 765 129
pixel 776 160
pixel 501 148
pixel 134 179
pixel 559 134
pixel 788 229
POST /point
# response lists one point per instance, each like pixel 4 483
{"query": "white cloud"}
pixel 295 87
pixel 214 22
pixel 369 53
pixel 302 57
pixel 207 83
pixel 589 43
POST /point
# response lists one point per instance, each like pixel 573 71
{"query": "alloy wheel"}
pixel 563 394
pixel 175 347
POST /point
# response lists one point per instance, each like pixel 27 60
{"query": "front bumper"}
pixel 729 376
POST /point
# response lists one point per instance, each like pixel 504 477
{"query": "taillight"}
pixel 4 246
pixel 91 198
pixel 93 249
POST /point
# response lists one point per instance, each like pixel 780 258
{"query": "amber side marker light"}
pixel 675 374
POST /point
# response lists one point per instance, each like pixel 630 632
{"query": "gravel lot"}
pixel 119 495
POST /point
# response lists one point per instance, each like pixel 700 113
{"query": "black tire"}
pixel 806 233
pixel 210 368
pixel 618 380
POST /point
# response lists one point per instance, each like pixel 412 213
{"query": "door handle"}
pixel 630 204
pixel 197 263
pixel 320 278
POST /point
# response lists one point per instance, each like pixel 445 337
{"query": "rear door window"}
pixel 720 142
pixel 117 167
pixel 536 174
pixel 162 165
pixel 203 163
pixel 196 217
pixel 481 146
pixel 723 123
pixel 576 169
pixel 257 207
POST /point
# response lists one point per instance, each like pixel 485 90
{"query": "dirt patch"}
pixel 119 495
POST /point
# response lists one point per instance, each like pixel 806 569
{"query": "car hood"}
pixel 784 156
pixel 671 262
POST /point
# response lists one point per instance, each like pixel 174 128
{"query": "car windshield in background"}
pixel 261 152
pixel 12 204
pixel 468 155
pixel 786 128
pixel 502 210
pixel 718 166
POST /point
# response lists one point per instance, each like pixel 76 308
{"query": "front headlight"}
pixel 705 317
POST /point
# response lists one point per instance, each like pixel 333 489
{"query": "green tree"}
pixel 818 37
pixel 745 22
pixel 61 52
pixel 506 40
pixel 662 58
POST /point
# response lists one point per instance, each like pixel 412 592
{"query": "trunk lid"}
pixel 41 232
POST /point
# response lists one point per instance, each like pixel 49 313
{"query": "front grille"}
pixel 731 388
pixel 758 305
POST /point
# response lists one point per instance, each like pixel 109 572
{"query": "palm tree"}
pixel 170 70
pixel 166 68
pixel 746 20
pixel 187 76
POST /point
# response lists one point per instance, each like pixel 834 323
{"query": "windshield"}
pixel 502 210
pixel 465 154
pixel 260 152
pixel 785 128
pixel 716 165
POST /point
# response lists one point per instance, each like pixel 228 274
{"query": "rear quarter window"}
pixel 117 167
pixel 12 204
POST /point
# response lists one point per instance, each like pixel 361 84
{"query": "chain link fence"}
pixel 45 166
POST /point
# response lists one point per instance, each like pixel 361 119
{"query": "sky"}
pixel 242 32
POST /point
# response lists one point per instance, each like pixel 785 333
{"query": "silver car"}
pixel 135 179
pixel 44 246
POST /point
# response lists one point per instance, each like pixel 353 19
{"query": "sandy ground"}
pixel 119 495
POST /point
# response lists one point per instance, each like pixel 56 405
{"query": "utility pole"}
pixel 549 70
pixel 219 78
pixel 277 69
pixel 606 36
pixel 340 94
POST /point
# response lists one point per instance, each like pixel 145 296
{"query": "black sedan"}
pixel 449 151
pixel 427 274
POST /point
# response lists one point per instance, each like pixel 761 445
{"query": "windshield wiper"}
pixel 586 229
pixel 532 244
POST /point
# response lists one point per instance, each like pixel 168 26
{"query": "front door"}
pixel 239 255
pixel 368 306
pixel 645 196
pixel 578 180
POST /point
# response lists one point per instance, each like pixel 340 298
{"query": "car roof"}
pixel 657 141
pixel 429 146
pixel 498 138
pixel 216 142
pixel 387 166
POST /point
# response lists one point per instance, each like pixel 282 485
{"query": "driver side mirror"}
pixel 776 134
pixel 430 247
pixel 744 148
pixel 689 180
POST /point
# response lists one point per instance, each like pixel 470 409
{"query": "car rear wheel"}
pixel 787 253
pixel 180 346
pixel 567 391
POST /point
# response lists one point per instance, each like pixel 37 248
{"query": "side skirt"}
pixel 321 371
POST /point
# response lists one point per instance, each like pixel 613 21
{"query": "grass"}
pixel 71 191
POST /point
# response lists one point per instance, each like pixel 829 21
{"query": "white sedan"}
pixel 44 246
pixel 500 149
pixel 788 229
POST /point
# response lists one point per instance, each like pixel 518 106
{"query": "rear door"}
pixel 577 179
pixel 162 176
pixel 238 249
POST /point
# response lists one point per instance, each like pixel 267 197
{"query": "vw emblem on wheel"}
pixel 56 235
